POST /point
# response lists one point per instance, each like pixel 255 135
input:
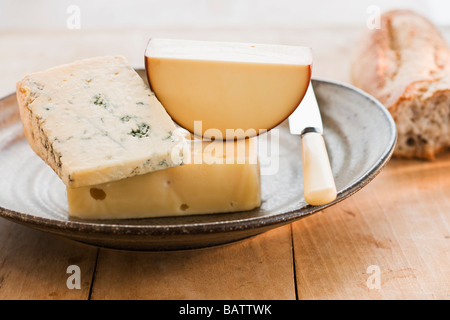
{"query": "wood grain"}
pixel 257 268
pixel 399 223
pixel 33 265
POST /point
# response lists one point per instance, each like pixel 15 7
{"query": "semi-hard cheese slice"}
pixel 227 90
pixel 218 177
pixel 95 121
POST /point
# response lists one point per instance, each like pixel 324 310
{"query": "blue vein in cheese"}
pixel 95 121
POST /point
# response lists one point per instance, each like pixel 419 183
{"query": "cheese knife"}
pixel 318 181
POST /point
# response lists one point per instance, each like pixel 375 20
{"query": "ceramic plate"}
pixel 360 136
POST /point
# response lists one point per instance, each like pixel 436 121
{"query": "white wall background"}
pixel 34 35
pixel 120 14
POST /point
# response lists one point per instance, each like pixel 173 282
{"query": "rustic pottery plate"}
pixel 360 136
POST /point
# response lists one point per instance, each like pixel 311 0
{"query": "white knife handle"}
pixel 318 182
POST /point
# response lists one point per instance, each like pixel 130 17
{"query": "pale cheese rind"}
pixel 95 121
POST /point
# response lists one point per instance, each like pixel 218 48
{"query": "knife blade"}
pixel 318 182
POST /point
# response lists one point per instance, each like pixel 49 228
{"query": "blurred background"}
pixel 37 34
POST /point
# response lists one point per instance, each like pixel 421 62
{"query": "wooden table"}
pixel 391 240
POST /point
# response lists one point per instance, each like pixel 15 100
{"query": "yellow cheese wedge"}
pixel 219 177
pixel 243 88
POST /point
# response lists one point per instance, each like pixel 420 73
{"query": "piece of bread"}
pixel 405 64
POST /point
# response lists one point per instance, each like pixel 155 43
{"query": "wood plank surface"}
pixel 398 225
pixel 395 230
pixel 257 268
pixel 33 265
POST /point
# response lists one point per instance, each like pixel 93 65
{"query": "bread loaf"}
pixel 405 64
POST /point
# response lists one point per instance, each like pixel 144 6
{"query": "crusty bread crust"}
pixel 406 65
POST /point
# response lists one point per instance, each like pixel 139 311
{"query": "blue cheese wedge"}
pixel 95 121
